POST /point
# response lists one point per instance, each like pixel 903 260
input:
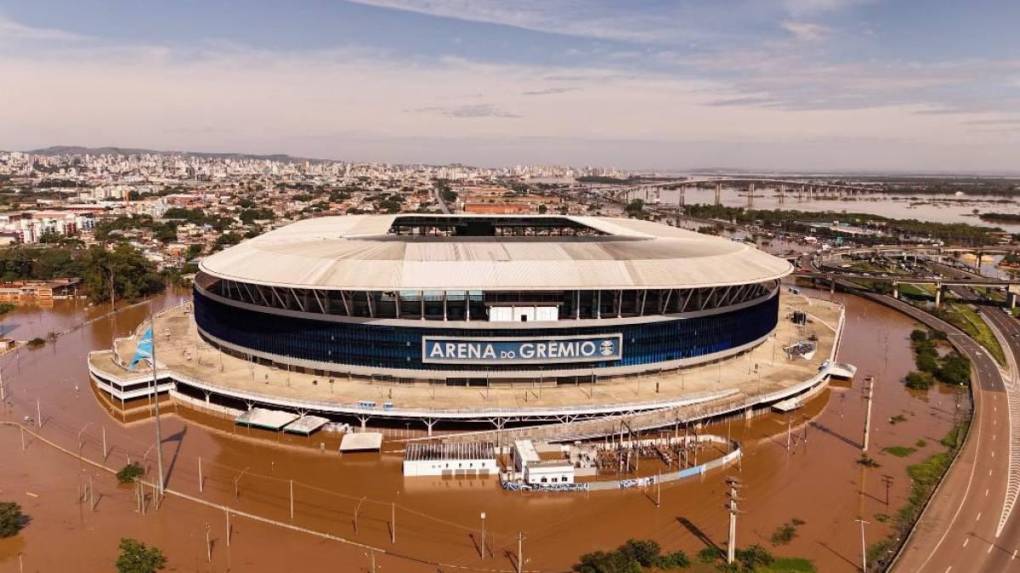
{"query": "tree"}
pixel 603 562
pixel 137 557
pixel 130 473
pixel 955 370
pixel 635 209
pixel 133 275
pixel 12 520
pixel 644 551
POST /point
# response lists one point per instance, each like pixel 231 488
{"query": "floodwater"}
pixel 438 522
pixel 935 208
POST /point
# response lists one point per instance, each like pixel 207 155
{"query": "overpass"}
pixel 1011 287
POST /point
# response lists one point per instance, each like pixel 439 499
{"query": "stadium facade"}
pixel 470 299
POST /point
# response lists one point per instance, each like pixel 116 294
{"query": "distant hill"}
pixel 80 150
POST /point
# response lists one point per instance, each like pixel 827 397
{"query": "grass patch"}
pixel 897 419
pixel 967 320
pixel 917 291
pixel 880 550
pixel 899 451
pixel 920 444
pixel 882 517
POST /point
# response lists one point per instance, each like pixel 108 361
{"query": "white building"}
pixel 476 459
pixel 529 464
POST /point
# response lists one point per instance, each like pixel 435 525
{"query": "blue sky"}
pixel 918 85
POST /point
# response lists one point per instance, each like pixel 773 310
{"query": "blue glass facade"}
pixel 398 347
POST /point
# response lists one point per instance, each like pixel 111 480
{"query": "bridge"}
pixel 1010 287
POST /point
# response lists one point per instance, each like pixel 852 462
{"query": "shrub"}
pixel 754 556
pixel 607 562
pixel 130 473
pixel 644 551
pixel 12 520
pixel 919 380
pixel 955 369
pixel 36 342
pixel 710 555
pixel 674 560
pixel 137 557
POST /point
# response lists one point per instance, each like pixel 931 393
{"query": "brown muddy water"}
pixel 438 523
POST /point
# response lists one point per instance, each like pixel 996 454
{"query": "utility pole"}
pixel 38 414
pixel 208 543
pixel 864 552
pixel 292 500
pixel 357 508
pixel 155 389
pixel 520 552
pixel 393 522
pixel 870 381
pixel 887 480
pixel 483 536
pixel 731 544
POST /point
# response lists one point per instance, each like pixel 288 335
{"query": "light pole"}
pixel 155 390
pixel 483 535
pixel 864 552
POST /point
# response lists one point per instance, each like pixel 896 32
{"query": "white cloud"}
pixel 582 18
pixel 813 7
pixel 806 31
pixel 776 111
pixel 11 30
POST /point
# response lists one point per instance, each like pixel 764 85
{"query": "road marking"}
pixel 966 541
pixel 989 549
pixel 993 453
pixel 978 517
pixel 1014 555
pixel 989 472
pixel 986 493
pixel 948 569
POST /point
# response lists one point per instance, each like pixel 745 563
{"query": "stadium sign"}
pixel 558 349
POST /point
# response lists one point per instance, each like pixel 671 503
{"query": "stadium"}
pixel 463 319
pixel 469 299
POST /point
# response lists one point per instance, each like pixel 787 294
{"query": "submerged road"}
pixel 958 530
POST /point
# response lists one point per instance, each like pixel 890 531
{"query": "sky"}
pixel 802 85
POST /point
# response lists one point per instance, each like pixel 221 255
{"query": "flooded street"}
pixel 356 498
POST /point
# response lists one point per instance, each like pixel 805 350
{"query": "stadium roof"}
pixel 361 252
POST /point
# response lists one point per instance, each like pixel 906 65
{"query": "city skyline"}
pixel 840 85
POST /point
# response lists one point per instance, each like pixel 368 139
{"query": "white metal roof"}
pixel 355 253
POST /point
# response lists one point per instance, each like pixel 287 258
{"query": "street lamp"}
pixel 482 535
